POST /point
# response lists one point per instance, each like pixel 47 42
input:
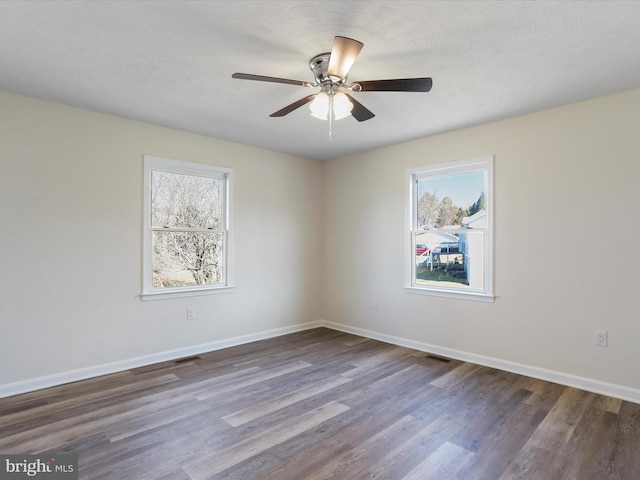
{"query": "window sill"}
pixel 184 293
pixel 475 296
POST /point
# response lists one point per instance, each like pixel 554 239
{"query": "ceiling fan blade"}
pixel 262 78
pixel 343 54
pixel 290 108
pixel 359 111
pixel 397 85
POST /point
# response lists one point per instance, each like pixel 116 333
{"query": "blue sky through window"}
pixel 463 188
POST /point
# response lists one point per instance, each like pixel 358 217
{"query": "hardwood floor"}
pixel 323 404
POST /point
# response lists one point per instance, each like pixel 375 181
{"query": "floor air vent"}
pixel 440 359
pixel 187 359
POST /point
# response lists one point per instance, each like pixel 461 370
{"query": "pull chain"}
pixel 331 117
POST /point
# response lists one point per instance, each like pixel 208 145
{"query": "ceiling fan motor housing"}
pixel 319 65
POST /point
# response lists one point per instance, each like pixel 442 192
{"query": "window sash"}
pixel 201 214
pixel 477 283
pixel 209 248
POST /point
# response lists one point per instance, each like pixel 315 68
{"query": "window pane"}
pixel 187 259
pixel 186 201
pixel 447 200
pixel 450 260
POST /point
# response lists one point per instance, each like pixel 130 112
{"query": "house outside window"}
pixel 186 228
pixel 450 226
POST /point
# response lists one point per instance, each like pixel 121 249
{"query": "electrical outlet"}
pixel 374 303
pixel 191 313
pixel 600 338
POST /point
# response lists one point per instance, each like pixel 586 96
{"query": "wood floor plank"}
pixel 146 421
pixel 70 390
pixel 64 432
pixel 156 460
pixel 44 409
pixel 540 455
pixel 408 451
pixel 11 408
pixel 219 461
pixel 608 404
pixel 487 408
pixel 544 394
pixel 348 465
pixel 251 413
pixel 594 429
pixel 365 419
pixel 325 404
pixel 260 376
pixel 350 342
pixel 371 362
pixel 620 455
pixel 441 464
pixel 456 376
pixel 183 437
pixel 507 437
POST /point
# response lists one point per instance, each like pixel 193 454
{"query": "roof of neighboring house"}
pixel 478 219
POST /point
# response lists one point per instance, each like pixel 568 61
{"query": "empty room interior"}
pixel 208 273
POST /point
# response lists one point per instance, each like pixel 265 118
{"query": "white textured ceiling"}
pixel 170 62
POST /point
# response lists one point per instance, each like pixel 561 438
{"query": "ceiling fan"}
pixel 330 71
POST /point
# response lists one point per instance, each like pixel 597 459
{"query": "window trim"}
pixel 474 164
pixel 151 164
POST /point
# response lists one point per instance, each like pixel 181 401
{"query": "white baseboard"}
pixel 590 385
pixel 30 385
pixel 595 386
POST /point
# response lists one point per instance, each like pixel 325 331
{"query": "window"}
pixel 186 228
pixel 449 233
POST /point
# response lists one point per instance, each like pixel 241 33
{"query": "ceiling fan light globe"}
pixel 320 106
pixel 341 106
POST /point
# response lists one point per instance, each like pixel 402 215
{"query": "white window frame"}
pixel 484 163
pixel 159 164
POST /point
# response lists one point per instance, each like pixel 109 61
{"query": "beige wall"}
pixel 318 240
pixel 567 199
pixel 70 245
